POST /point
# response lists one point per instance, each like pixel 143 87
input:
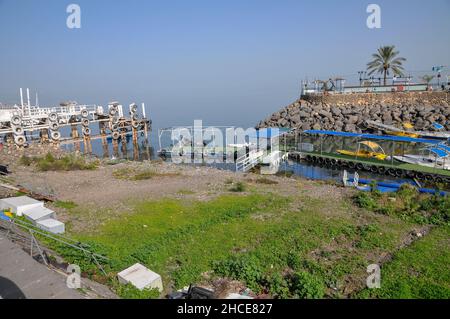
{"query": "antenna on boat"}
pixel 143 110
pixel 21 98
pixel 28 97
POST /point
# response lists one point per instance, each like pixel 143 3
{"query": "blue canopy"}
pixel 439 152
pixel 376 137
pixel 444 147
pixel 438 126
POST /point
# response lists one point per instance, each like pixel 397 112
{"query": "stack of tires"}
pixel 53 124
pixel 85 122
pixel 19 133
pixel 134 116
pixel 114 120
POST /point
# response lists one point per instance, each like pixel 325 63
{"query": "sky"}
pixel 227 62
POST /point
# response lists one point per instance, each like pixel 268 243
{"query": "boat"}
pixel 436 157
pixel 375 151
pixel 408 132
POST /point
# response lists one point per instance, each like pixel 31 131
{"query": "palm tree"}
pixel 427 78
pixel 385 60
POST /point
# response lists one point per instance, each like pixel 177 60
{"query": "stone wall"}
pixel 348 112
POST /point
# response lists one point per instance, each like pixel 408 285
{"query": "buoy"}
pixel 85 122
pixel 86 131
pixel 133 108
pixel 134 124
pixel 112 111
pixel 114 127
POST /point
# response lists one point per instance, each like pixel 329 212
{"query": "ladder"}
pixel 248 161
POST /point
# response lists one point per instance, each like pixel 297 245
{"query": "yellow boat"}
pixel 375 152
pixel 406 134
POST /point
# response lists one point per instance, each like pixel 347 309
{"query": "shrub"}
pixel 238 187
pixel 245 268
pixel 307 286
pixel 130 292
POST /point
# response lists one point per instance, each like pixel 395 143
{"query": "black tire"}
pixel 399 173
pixel 359 166
pixel 373 169
pixel 351 165
pixel 381 170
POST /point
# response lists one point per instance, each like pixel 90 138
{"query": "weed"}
pixel 65 204
pixel 239 187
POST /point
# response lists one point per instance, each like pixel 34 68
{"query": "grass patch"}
pixel 418 271
pixel 65 204
pixel 408 204
pixel 134 174
pixel 239 187
pixel 70 162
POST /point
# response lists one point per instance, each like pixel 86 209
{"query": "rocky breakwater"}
pixel 349 113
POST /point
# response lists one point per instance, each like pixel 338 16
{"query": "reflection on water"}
pixel 120 149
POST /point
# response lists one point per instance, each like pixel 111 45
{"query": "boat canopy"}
pixel 438 152
pixel 376 137
pixel 444 147
pixel 372 145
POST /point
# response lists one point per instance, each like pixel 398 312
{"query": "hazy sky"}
pixel 224 61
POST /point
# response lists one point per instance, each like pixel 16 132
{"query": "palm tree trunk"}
pixel 385 75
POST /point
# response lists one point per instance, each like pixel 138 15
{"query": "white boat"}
pixel 438 157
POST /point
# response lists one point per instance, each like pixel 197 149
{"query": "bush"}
pixel 245 268
pixel 307 286
pixel 130 292
pixel 238 188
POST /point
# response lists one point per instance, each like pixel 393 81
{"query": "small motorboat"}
pixel 375 151
pixel 436 157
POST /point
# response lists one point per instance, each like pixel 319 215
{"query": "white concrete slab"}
pixel 19 204
pixel 37 214
pixel 51 225
pixel 141 277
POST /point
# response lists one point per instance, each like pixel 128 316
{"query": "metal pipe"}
pixel 21 98
pixel 143 110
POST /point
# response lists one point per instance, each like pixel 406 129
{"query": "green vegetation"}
pixel 68 162
pixel 238 187
pixel 408 204
pixel 274 246
pixel 386 60
pixel 133 174
pixel 66 205
pixel 130 292
pixel 418 271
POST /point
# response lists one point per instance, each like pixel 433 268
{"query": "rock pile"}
pixel 351 117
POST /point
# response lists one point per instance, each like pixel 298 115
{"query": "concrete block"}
pixel 141 277
pixel 51 225
pixel 37 214
pixel 19 204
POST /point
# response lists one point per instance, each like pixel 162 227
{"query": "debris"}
pixel 18 205
pixel 140 277
pixel 51 225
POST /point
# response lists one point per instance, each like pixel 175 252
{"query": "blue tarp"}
pixel 376 137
